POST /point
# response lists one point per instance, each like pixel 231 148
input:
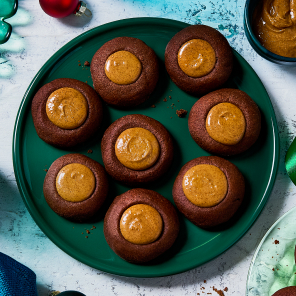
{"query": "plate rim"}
pixel 23 109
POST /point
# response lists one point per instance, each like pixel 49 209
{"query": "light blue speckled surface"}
pixel 36 37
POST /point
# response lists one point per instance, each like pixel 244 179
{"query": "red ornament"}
pixel 62 8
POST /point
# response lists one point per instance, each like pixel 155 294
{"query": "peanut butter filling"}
pixel 67 108
pixel 274 24
pixel 137 148
pixel 226 124
pixel 75 182
pixel 196 58
pixel 205 185
pixel 123 67
pixel 141 224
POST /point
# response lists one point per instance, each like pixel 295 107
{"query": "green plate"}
pixel 194 246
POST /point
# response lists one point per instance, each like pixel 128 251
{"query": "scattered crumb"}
pixel 278 228
pixel 219 292
pixel 171 117
pixel 81 232
pixel 79 64
pixel 153 106
pixel 165 99
pixel 225 289
pixel 45 170
pixel 205 281
pixel 86 63
pixel 85 81
pixel 273 269
pixel 276 242
pixel 86 237
pixel 94 227
pixel 87 231
pixel 181 113
pixel 89 151
pixel 170 97
pixel 78 61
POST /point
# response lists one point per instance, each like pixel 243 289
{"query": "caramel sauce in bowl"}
pixel 249 17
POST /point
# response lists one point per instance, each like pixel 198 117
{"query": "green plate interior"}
pixel 194 246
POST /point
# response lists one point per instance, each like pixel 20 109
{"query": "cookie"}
pixel 124 174
pixel 199 59
pixel 53 113
pixel 125 72
pixel 199 117
pixel 221 209
pixel 288 291
pixel 87 200
pixel 134 252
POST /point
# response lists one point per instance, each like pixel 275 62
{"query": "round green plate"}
pixel 194 246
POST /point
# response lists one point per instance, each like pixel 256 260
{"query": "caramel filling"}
pixel 196 58
pixel 141 224
pixel 226 124
pixel 205 185
pixel 137 148
pixel 123 67
pixel 274 24
pixel 75 182
pixel 67 108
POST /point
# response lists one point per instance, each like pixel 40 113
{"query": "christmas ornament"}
pixel 63 8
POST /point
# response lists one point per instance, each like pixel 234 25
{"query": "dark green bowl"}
pixel 71 293
pixel 262 51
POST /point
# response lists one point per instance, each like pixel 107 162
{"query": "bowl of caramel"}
pixel 270 26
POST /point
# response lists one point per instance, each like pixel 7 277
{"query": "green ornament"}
pixel 290 161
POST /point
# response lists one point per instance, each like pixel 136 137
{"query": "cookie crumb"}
pixel 170 97
pixel 276 242
pixel 181 113
pixel 87 231
pixel 153 106
pixel 94 227
pixel 225 289
pixel 89 151
pixel 86 237
pixel 205 281
pixel 79 64
pixel 219 292
pixel 86 63
pixel 45 170
pixel 165 99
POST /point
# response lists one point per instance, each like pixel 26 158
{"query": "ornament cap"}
pixel 82 10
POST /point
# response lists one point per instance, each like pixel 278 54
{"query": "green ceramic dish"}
pixel 273 265
pixel 194 246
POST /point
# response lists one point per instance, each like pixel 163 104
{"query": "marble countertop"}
pixel 35 38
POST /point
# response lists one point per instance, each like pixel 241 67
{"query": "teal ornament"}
pixel 8 9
